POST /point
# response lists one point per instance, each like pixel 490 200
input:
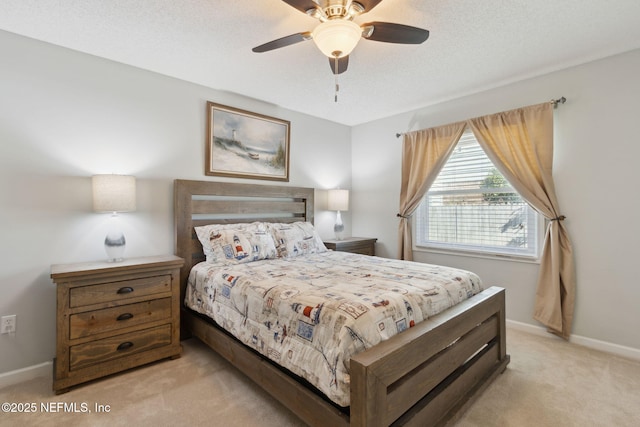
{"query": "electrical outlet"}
pixel 8 324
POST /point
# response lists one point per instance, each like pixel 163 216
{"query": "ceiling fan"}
pixel 337 35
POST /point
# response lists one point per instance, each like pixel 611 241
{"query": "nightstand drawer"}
pixel 110 319
pixel 361 248
pixel 94 352
pixel 118 291
pixel 356 245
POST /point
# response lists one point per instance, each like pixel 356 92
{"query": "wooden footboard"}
pixel 426 375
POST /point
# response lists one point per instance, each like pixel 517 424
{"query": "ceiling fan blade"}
pixel 343 63
pixel 394 33
pixel 368 4
pixel 282 42
pixel 302 5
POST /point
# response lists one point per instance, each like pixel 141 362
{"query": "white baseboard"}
pixel 25 374
pixel 618 350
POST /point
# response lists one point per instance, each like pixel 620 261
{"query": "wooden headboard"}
pixel 199 203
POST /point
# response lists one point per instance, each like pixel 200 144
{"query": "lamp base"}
pixel 338 228
pixel 115 243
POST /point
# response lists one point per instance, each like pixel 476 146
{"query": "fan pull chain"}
pixel 336 74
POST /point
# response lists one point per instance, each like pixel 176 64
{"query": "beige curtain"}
pixel 424 153
pixel 520 144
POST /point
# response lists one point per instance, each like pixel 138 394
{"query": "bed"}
pixel 425 375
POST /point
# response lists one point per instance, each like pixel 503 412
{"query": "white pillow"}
pixel 236 243
pixel 296 239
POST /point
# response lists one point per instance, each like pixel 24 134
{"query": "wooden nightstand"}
pixel 356 245
pixel 115 316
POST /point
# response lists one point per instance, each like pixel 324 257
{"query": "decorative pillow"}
pixel 236 243
pixel 296 239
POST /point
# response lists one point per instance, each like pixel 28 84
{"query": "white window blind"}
pixel 472 207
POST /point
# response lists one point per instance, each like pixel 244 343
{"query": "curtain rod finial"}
pixel 560 100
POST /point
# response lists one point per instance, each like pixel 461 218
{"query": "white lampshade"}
pixel 337 37
pixel 114 193
pixel 338 200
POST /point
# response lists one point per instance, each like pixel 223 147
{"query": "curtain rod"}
pixel 555 103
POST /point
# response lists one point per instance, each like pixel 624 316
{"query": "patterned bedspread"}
pixel 311 313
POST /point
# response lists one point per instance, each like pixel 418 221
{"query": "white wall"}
pixel 65 116
pixel 596 175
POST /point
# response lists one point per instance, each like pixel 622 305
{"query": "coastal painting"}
pixel 243 144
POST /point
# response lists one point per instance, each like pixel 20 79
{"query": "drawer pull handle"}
pixel 125 316
pixel 125 290
pixel 125 346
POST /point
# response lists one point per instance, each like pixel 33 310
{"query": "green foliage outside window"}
pixel 496 180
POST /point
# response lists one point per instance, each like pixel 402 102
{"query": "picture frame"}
pixel 243 144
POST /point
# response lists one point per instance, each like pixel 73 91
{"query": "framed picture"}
pixel 243 144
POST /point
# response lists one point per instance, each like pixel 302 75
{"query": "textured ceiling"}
pixel 474 45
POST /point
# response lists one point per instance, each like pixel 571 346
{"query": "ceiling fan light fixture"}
pixel 337 38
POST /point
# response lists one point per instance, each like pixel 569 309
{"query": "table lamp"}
pixel 338 200
pixel 114 193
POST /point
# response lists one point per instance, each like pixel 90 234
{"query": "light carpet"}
pixel 549 382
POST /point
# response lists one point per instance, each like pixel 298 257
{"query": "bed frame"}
pixel 425 376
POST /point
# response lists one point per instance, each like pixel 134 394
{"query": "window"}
pixel 472 207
